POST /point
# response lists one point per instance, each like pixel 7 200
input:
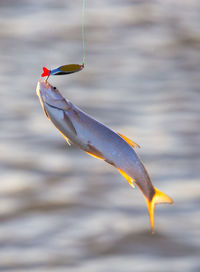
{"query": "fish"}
pixel 101 142
pixel 62 70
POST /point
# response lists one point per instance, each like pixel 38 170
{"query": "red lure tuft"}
pixel 46 72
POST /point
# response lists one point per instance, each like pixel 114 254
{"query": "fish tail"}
pixel 158 197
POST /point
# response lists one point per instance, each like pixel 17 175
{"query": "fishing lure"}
pixel 100 142
pixel 63 70
pixel 69 68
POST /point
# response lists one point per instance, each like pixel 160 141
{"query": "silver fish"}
pixel 99 141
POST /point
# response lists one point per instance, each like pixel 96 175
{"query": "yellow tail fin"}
pixel 158 197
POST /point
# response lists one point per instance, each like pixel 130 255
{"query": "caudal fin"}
pixel 158 198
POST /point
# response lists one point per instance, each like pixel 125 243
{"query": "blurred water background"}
pixel 62 210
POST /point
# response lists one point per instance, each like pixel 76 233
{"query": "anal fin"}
pixel 130 142
pixel 129 179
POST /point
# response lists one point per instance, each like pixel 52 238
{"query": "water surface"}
pixel 61 210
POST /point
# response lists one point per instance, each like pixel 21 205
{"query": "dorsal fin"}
pixel 130 142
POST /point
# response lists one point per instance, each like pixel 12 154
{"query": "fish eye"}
pixel 54 88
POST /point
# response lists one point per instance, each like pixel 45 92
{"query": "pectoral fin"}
pixel 130 142
pixel 69 123
pixel 129 179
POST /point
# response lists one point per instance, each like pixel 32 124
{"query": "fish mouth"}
pixel 44 92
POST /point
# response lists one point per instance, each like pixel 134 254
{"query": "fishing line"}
pixel 70 68
pixel 83 30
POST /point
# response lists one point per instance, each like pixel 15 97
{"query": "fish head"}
pixel 56 108
pixel 51 96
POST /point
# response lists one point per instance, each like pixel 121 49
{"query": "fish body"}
pixel 99 141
